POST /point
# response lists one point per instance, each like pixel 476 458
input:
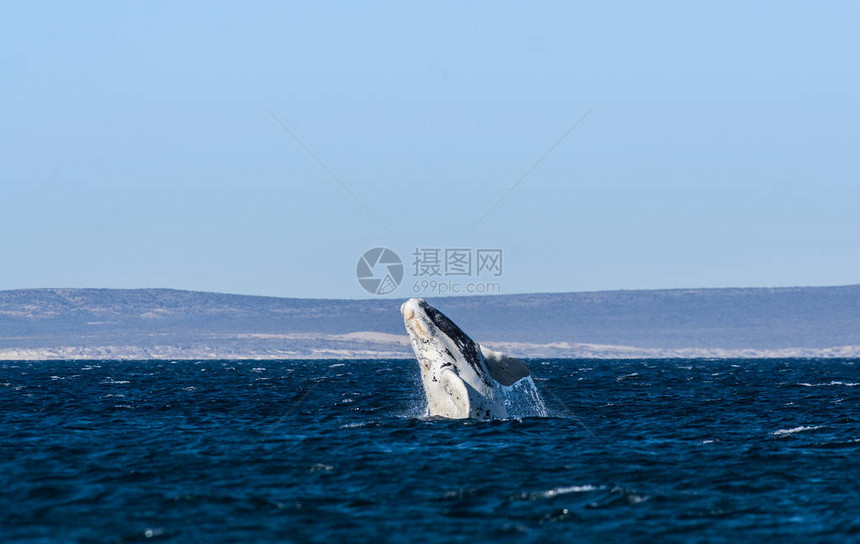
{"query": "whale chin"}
pixel 449 398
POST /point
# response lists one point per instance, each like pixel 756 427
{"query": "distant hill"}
pixel 165 323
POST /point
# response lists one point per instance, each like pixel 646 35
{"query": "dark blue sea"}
pixel 338 451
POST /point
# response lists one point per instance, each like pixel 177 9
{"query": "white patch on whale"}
pixel 463 379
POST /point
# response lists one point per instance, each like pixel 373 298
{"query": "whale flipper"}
pixel 505 370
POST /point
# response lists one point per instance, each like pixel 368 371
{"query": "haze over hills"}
pixel 164 323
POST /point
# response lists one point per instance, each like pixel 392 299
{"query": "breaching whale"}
pixel 461 378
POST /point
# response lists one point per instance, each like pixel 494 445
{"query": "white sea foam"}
pixel 353 425
pixel 563 491
pixel 830 384
pixel 786 432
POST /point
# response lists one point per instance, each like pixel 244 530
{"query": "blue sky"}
pixel 137 151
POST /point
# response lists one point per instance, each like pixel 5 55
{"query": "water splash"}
pixel 522 399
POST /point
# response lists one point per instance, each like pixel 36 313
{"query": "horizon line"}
pixel 383 298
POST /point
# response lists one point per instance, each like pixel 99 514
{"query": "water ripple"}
pixel 327 451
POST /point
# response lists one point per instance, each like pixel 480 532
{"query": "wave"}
pixel 786 432
pixel 830 384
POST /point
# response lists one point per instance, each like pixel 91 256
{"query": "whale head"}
pixel 437 339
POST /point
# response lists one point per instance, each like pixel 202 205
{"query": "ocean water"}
pixel 338 451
